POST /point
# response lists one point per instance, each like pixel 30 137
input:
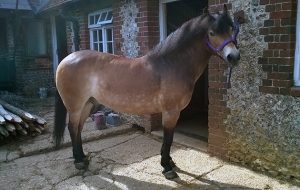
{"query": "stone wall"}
pixel 262 130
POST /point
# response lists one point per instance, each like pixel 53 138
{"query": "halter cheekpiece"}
pixel 233 39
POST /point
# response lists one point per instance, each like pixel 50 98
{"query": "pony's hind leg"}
pixel 169 123
pixel 81 161
pixel 73 126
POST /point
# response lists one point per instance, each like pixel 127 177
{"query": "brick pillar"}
pixel 147 21
pixel 279 32
pixel 217 109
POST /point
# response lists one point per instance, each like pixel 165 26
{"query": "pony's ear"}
pixel 225 10
pixel 205 11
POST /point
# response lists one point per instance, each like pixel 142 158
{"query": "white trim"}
pixel 297 50
pixel 54 43
pixel 99 13
pixel 162 18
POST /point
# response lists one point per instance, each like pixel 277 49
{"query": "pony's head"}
pixel 221 37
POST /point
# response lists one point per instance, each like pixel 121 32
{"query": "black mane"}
pixel 222 24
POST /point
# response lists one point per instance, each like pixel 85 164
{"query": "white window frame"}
pixel 104 38
pixel 297 50
pixel 103 25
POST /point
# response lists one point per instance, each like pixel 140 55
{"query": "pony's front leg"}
pixel 169 123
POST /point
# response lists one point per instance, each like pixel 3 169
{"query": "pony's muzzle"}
pixel 233 58
pixel 231 55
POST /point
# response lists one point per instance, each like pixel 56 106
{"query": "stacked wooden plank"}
pixel 15 121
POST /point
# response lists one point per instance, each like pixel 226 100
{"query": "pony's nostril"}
pixel 229 57
pixel 233 58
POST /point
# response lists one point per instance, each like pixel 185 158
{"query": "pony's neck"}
pixel 184 49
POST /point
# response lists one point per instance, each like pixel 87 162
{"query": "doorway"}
pixel 59 40
pixel 193 119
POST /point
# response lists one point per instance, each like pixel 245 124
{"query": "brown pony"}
pixel 162 81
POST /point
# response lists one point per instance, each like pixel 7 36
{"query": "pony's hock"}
pixel 162 81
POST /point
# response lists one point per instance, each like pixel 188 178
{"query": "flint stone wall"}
pixel 264 129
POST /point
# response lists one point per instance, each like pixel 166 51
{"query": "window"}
pixel 36 38
pixel 101 32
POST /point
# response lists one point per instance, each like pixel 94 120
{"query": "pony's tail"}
pixel 60 120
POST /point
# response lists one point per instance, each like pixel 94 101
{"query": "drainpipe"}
pixel 297 50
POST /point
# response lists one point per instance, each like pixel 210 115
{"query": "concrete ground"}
pixel 129 160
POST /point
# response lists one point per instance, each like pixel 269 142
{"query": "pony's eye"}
pixel 211 33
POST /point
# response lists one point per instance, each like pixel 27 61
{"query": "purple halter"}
pixel 233 39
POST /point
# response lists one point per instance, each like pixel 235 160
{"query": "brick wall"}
pixel 148 23
pixel 31 73
pixel 217 110
pixel 84 37
pixel 279 32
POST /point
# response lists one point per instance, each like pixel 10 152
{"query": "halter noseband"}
pixel 233 39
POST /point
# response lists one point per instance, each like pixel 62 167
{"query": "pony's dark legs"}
pixel 166 148
pixel 81 161
pixel 76 143
pixel 169 122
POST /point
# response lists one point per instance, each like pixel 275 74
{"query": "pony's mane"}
pixel 190 31
pixel 222 24
pixel 180 37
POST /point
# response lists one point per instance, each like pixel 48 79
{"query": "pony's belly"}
pixel 131 104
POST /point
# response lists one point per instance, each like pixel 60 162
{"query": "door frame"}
pixel 163 18
pixel 54 43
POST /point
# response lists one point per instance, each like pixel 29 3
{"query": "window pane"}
pixel 101 47
pixel 109 34
pixel 100 35
pixel 97 18
pixel 95 36
pixel 103 16
pixel 109 47
pixel 109 16
pixel 95 46
pixel 92 20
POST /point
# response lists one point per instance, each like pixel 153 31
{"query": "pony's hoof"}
pixel 80 165
pixel 170 174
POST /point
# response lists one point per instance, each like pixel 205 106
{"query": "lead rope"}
pixel 229 77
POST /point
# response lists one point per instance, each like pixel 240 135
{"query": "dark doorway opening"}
pixel 62 47
pixel 7 63
pixel 193 119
